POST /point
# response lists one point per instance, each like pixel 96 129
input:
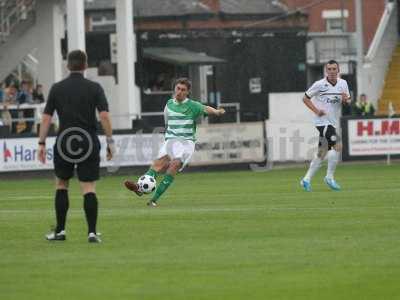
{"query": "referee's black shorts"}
pixel 77 150
pixel 327 136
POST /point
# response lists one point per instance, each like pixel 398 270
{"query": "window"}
pixel 97 18
pixel 335 25
pixel 336 20
pixel 103 19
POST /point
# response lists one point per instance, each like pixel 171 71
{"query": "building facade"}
pixel 235 51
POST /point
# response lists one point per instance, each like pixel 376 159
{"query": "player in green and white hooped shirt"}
pixel 181 114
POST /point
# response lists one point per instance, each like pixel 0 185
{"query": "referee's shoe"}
pixel 94 238
pixel 56 236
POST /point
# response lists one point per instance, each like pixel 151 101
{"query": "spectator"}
pixel 11 95
pixel 2 91
pixel 159 84
pixel 23 10
pixel 6 118
pixel 25 95
pixel 38 96
pixel 363 107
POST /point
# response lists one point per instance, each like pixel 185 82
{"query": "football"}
pixel 147 184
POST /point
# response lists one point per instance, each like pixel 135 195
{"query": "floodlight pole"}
pixel 76 25
pixel 128 92
pixel 360 45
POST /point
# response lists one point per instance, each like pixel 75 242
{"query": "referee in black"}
pixel 76 99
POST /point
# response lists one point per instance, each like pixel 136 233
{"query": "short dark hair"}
pixel 77 60
pixel 183 80
pixel 332 62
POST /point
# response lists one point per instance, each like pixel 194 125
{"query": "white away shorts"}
pixel 178 149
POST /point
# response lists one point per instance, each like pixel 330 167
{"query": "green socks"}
pixel 152 173
pixel 162 187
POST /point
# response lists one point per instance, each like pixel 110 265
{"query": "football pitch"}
pixel 216 235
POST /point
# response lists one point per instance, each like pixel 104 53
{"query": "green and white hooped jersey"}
pixel 180 118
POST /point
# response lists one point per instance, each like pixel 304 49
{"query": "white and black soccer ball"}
pixel 147 184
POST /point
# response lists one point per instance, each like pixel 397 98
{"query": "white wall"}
pixel 290 130
pixel 379 55
pixel 111 92
pixel 48 32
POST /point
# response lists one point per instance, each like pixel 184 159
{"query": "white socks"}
pixel 333 158
pixel 314 167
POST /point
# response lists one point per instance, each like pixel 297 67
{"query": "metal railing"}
pixel 325 46
pixel 12 13
pixel 28 65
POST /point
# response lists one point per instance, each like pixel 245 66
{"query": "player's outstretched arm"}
pixel 212 111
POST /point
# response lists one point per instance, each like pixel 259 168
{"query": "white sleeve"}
pixel 313 90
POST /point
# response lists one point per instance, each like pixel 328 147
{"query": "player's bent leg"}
pixel 61 205
pixel 316 162
pixel 174 166
pixel 338 147
pixel 90 206
pixel 322 152
pixel 159 165
pixel 312 170
pixel 333 159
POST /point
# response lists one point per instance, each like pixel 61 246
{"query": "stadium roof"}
pixel 153 8
pixel 180 56
pixel 250 7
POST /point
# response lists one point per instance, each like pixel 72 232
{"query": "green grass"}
pixel 219 235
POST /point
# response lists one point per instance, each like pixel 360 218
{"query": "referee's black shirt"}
pixel 75 99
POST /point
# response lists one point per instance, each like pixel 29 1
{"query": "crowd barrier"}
pixel 216 144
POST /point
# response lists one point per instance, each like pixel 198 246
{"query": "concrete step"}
pixel 16 46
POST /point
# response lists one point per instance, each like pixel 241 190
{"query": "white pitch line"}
pixel 158 211
pixel 20 198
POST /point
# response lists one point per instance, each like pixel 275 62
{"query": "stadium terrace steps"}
pixel 17 45
pixel 391 90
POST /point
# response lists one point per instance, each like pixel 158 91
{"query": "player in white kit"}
pixel 327 96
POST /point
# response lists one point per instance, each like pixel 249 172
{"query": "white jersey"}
pixel 327 97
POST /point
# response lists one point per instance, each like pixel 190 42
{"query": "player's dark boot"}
pixel 133 186
pixel 54 236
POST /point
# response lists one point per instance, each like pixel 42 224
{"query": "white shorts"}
pixel 178 149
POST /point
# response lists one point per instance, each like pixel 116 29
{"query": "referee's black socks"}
pixel 90 205
pixel 61 205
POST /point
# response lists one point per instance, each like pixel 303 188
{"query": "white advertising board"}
pixel 229 143
pixel 217 144
pixel 291 141
pixel 132 150
pixel 374 137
